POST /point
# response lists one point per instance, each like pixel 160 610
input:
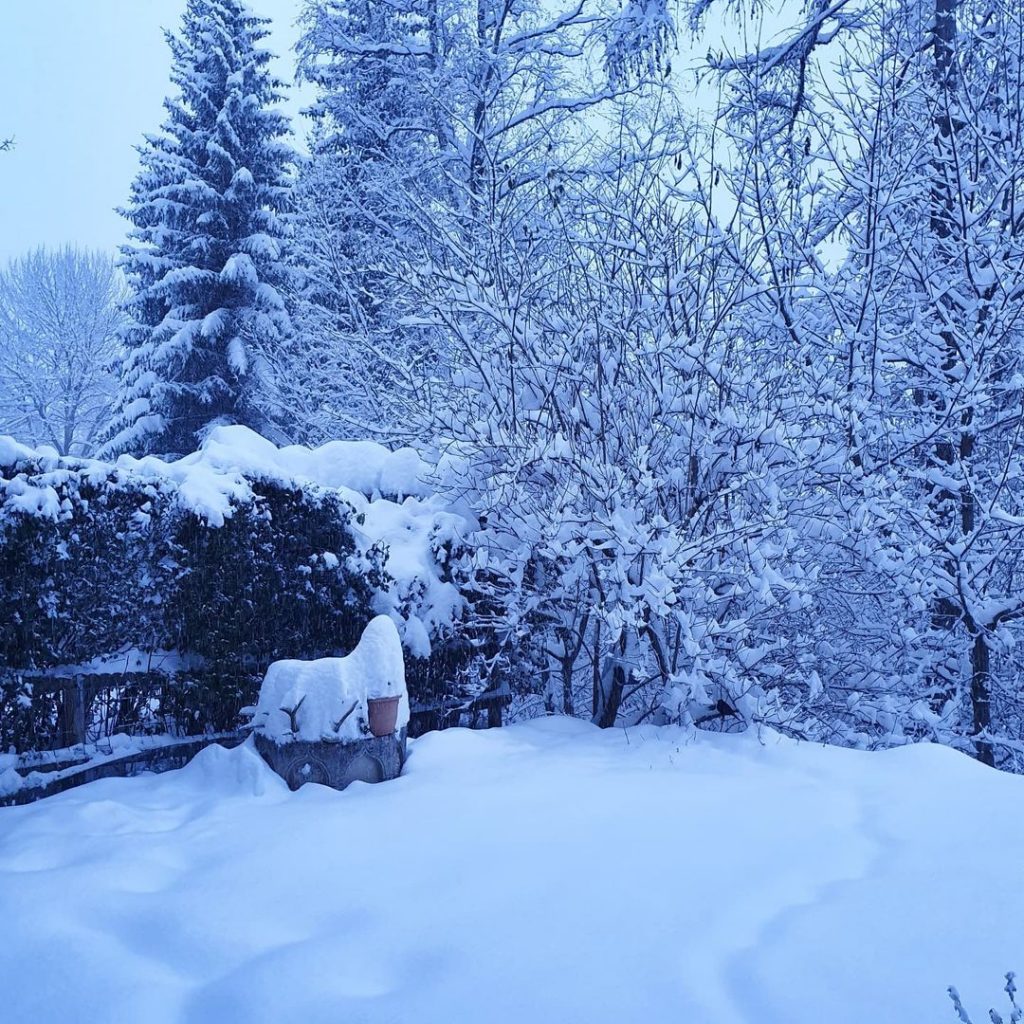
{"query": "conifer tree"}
pixel 206 255
pixel 373 142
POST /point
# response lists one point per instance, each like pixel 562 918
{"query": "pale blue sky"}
pixel 80 82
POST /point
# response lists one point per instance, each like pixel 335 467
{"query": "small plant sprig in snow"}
pixel 1016 1013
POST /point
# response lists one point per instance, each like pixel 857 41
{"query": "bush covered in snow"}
pixel 280 578
pixel 75 544
pixel 232 558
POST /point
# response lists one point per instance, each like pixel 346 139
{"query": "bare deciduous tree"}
pixel 60 315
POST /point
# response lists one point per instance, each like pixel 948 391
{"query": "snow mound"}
pixel 327 697
pixel 550 871
pixel 237 772
pixel 12 452
pixel 214 477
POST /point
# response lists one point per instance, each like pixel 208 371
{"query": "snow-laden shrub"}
pixel 1016 1011
pixel 236 556
pixel 280 578
pixel 75 558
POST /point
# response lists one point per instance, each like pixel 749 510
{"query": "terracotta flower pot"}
pixel 383 713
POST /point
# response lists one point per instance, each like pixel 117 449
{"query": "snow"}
pixel 419 600
pixel 329 691
pixel 212 480
pixel 123 662
pixel 11 451
pixel 230 452
pixel 240 269
pixel 10 781
pixel 544 872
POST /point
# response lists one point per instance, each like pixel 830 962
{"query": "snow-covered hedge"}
pixel 235 556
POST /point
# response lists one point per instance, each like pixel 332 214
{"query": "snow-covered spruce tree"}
pixel 206 256
pixel 371 146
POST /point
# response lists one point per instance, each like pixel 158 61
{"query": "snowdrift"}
pixel 544 872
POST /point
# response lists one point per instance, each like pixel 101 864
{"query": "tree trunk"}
pixel 494 714
pixel 980 697
pixel 946 612
pixel 612 685
pixel 568 706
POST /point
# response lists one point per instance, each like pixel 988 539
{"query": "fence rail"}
pixel 42 780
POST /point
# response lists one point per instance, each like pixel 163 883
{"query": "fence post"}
pixel 72 724
pixel 80 730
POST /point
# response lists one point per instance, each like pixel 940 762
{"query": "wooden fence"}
pixel 47 778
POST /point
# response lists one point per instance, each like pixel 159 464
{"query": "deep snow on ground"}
pixel 547 872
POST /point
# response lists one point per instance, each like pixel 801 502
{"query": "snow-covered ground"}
pixel 546 872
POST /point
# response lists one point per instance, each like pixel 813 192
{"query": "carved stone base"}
pixel 374 759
